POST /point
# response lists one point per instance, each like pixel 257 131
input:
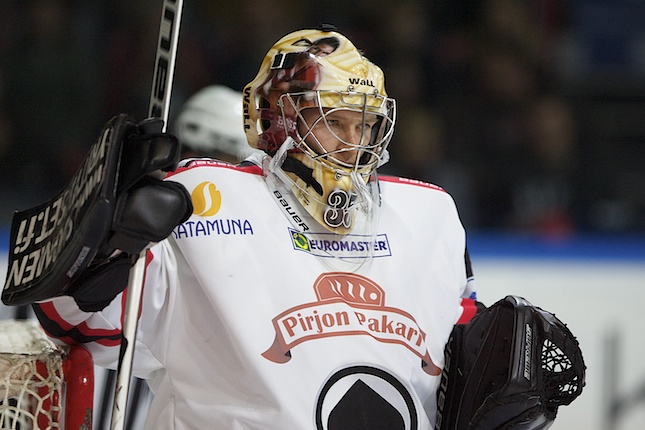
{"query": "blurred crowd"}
pixel 493 102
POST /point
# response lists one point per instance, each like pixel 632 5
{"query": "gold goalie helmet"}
pixel 307 82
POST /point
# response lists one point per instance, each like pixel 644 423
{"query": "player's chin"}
pixel 344 159
pixel 337 161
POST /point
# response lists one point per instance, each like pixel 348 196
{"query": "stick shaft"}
pixel 159 108
pixel 128 341
pixel 165 60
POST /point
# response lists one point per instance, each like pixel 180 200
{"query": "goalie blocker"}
pixel 112 203
pixel 510 367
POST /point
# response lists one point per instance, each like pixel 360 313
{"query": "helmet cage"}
pixel 373 142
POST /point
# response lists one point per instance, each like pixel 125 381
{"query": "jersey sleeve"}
pixel 469 303
pixel 101 332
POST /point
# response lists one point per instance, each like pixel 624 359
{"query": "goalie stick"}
pixel 159 108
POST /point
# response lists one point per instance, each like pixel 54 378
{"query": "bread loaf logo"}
pixel 207 199
pixel 348 305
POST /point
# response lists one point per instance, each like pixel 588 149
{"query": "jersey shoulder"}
pixel 409 182
pixel 405 192
pixel 209 163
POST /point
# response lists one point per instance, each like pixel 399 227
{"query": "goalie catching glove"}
pixel 83 242
pixel 510 367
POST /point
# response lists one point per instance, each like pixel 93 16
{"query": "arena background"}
pixel 529 112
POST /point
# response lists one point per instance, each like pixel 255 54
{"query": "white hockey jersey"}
pixel 244 326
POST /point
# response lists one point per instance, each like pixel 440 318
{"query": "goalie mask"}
pixel 320 109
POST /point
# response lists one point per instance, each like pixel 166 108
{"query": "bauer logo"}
pixel 347 304
pixel 347 246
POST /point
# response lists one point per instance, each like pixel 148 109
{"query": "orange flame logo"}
pixel 207 199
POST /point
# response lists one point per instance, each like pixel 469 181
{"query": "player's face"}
pixel 337 132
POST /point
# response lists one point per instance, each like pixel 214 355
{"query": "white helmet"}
pixel 210 123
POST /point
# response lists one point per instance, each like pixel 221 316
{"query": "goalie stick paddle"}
pixel 159 107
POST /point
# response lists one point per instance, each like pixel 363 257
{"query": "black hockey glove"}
pixel 83 242
pixel 145 213
pixel 509 368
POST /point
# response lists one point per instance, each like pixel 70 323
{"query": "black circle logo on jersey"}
pixel 364 397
